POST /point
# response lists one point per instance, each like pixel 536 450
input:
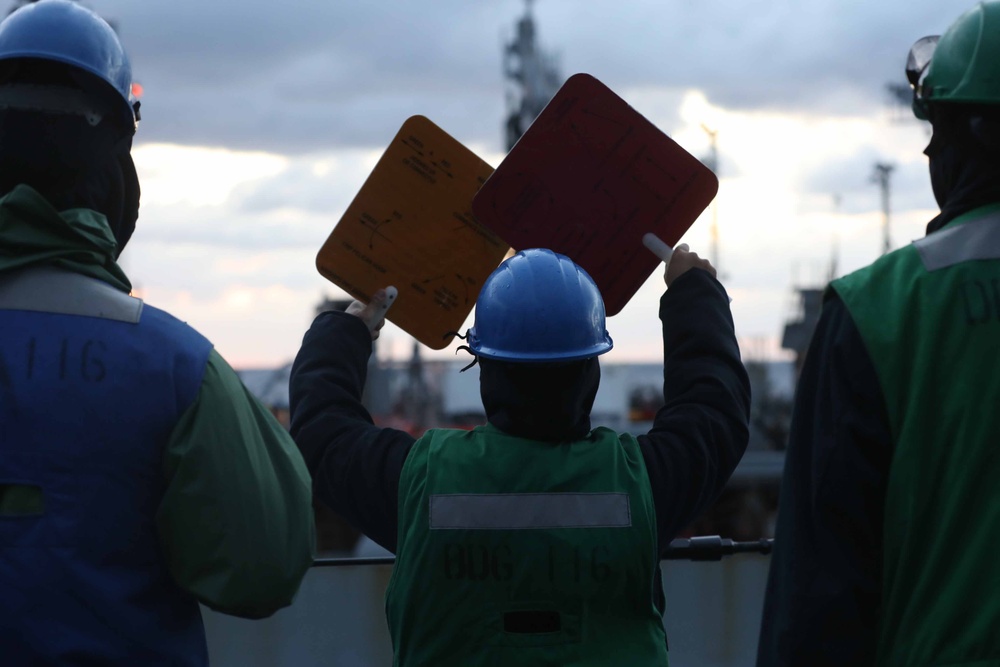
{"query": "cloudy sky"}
pixel 261 120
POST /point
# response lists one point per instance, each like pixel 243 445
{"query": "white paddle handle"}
pixel 390 297
pixel 657 247
pixel 661 249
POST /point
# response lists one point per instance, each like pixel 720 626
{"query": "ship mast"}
pixel 532 74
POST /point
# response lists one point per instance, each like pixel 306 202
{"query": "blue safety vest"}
pixel 92 383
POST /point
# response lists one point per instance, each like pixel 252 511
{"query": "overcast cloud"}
pixel 309 95
pixel 298 76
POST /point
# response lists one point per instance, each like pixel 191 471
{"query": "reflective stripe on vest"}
pixel 49 289
pixel 977 239
pixel 519 511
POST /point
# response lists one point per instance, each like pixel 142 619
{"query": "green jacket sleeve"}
pixel 236 520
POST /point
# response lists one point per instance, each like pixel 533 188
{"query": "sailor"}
pixel 138 477
pixel 535 538
pixel 885 546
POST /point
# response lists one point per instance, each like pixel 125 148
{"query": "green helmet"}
pixel 963 66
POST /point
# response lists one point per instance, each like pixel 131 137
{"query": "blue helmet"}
pixel 537 307
pixel 65 32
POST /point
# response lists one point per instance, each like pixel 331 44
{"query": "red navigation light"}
pixel 136 89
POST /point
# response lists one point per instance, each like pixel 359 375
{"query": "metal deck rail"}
pixel 702 548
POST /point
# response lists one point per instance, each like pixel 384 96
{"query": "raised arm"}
pixel 701 432
pixel 355 465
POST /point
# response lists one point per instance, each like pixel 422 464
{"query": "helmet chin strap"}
pixel 466 348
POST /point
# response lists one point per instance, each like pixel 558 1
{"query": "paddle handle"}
pixel 661 249
pixel 657 247
pixel 390 297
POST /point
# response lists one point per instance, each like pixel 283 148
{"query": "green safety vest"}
pixel 518 552
pixel 929 315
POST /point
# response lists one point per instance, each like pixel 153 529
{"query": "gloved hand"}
pixel 683 259
pixel 373 314
pixel 678 260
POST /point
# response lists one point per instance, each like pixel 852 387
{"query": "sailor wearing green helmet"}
pixel 961 67
pixel 885 543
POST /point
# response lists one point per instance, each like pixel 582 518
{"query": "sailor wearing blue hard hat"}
pixel 138 477
pixel 534 538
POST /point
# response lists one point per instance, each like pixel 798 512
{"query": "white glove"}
pixel 373 314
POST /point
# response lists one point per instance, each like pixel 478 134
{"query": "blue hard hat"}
pixel 65 32
pixel 539 306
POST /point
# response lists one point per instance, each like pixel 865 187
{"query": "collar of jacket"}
pixel 32 232
pixel 972 215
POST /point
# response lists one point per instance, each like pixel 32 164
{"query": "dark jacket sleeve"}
pixel 355 465
pixel 823 591
pixel 701 432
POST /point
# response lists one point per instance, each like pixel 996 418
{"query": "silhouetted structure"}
pixel 534 75
pixel 798 332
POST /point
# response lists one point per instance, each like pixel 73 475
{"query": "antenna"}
pixel 881 178
pixel 835 241
pixel 900 101
pixel 533 74
pixel 712 162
